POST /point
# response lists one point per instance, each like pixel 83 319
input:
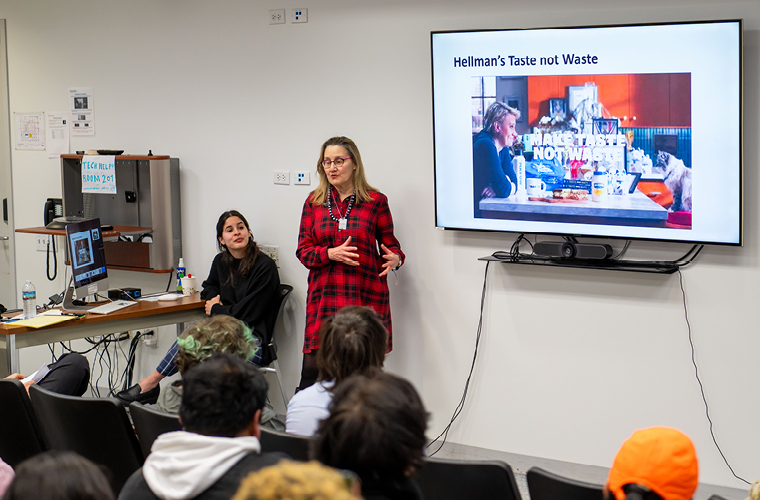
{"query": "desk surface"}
pixel 142 310
pixel 140 316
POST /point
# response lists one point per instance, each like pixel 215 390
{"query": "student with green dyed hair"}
pixel 199 342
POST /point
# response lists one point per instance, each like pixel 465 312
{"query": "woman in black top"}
pixel 243 283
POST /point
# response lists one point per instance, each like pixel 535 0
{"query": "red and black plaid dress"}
pixel 333 285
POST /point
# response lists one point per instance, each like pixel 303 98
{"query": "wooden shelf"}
pixel 117 231
pixel 122 157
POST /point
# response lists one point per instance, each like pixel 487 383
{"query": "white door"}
pixel 8 296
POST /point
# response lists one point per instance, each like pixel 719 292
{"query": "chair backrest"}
pixel 20 436
pixel 269 351
pixel 295 446
pixel 97 429
pixel 150 422
pixel 716 497
pixel 444 479
pixel 545 485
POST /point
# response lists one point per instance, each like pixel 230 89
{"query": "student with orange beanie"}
pixel 658 463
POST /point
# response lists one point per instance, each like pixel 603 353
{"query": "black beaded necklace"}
pixel 343 221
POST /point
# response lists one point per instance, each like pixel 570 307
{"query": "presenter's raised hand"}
pixel 391 260
pixel 344 254
pixel 211 302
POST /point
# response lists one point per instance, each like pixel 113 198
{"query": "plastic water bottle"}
pixel 180 274
pixel 29 296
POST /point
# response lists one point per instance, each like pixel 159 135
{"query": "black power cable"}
pixel 696 370
pixel 55 260
pixel 460 406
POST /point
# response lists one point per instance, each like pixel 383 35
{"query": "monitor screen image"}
pixel 614 131
pixel 88 260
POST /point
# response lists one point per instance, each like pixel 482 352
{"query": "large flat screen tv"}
pixel 628 131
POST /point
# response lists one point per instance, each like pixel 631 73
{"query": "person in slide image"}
pixel 492 173
pixel 243 283
pixel 343 222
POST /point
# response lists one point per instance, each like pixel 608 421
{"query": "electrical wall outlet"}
pixel 272 251
pixel 150 338
pixel 282 177
pixel 42 242
pixel 277 16
pixel 299 16
pixel 302 178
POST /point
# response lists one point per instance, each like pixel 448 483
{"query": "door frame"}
pixel 5 137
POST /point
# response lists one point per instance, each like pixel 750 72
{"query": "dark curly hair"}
pixel 221 396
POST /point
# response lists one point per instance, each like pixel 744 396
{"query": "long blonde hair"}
pixel 319 196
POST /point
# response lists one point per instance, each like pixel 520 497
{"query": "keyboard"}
pixel 111 307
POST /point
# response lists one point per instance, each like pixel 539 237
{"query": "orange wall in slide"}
pixel 656 100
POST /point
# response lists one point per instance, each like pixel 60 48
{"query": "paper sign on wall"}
pixel 57 133
pixel 82 111
pixel 30 131
pixel 99 174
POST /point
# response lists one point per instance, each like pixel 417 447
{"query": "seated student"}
pixel 658 463
pixel 59 475
pixel 243 283
pixel 298 480
pixel 222 400
pixel 68 376
pixel 376 429
pixel 199 342
pixel 353 341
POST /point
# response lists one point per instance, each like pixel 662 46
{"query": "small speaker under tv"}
pixel 570 250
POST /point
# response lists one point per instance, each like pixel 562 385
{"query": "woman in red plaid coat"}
pixel 343 223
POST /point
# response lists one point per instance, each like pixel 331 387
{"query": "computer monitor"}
pixel 88 262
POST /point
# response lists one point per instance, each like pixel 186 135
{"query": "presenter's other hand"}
pixel 210 303
pixel 391 260
pixel 488 192
pixel 344 254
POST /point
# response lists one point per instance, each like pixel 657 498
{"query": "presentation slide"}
pixel 624 131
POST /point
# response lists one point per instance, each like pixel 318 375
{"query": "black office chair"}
pixel 295 446
pixel 445 479
pixel 20 436
pixel 270 351
pixel 150 422
pixel 97 429
pixel 545 485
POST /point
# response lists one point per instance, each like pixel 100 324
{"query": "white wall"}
pixel 571 361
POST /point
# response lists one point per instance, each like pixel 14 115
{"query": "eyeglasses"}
pixel 338 162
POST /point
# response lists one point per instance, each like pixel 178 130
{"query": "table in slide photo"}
pixel 635 209
pixel 145 314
